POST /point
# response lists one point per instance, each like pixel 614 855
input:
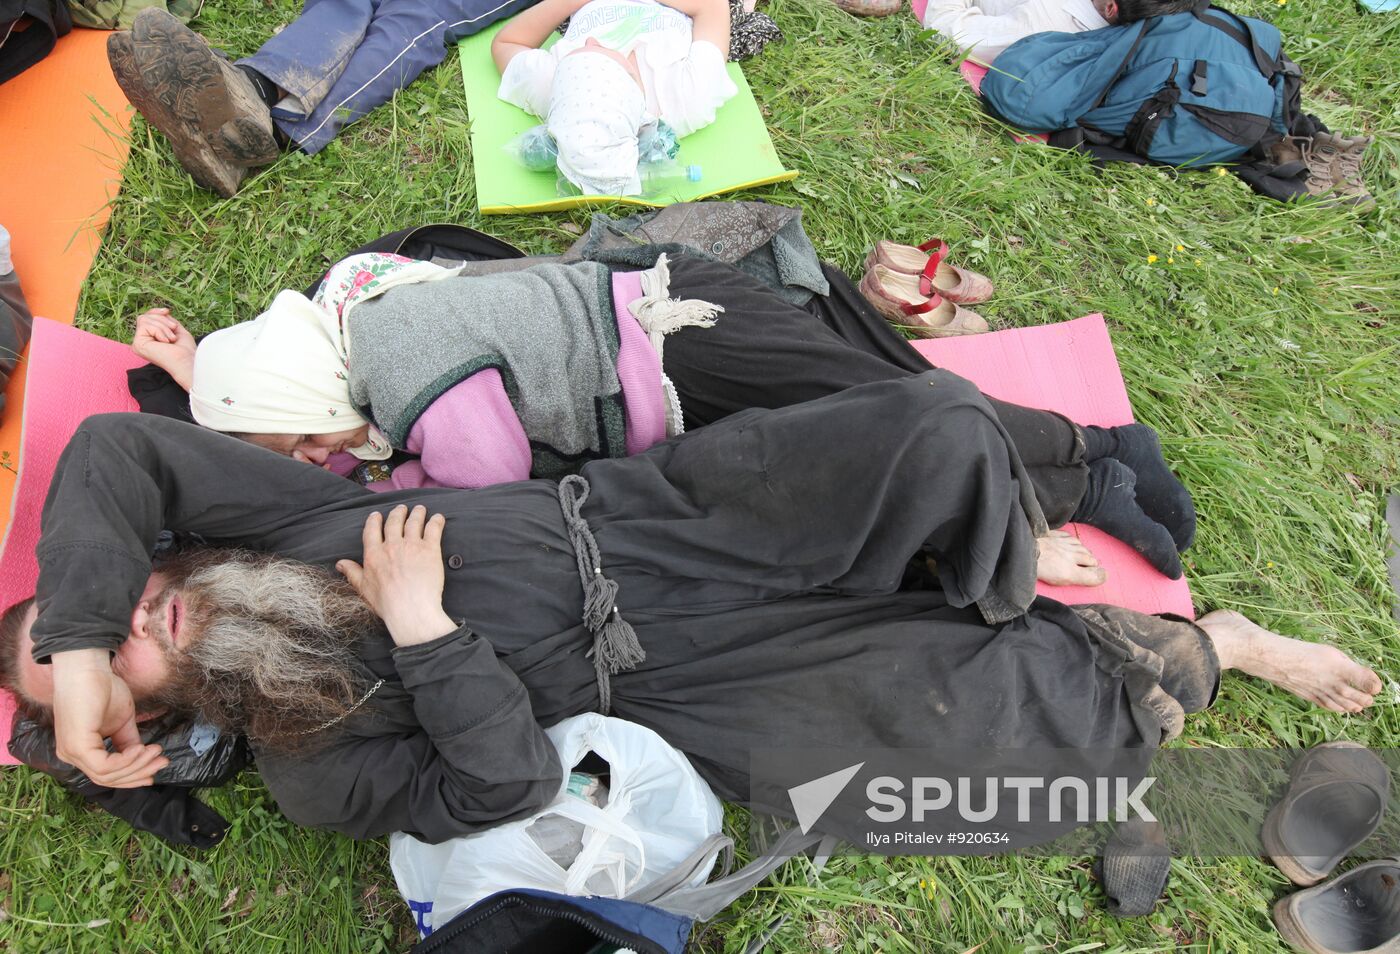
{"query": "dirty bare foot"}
pixel 1323 675
pixel 1064 561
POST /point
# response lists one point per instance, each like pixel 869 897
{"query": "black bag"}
pixel 28 31
pixel 156 392
pixel 200 757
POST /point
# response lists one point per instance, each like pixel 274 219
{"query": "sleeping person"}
pixel 622 65
pixel 533 373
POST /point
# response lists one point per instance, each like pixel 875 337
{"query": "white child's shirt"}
pixel 684 81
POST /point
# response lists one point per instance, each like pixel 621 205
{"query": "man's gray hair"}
pixel 271 644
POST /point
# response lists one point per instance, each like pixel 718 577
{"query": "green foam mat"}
pixel 734 152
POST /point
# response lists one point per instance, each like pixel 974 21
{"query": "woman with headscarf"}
pixel 532 373
pixel 621 65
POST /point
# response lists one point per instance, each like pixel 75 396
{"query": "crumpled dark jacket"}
pixel 199 757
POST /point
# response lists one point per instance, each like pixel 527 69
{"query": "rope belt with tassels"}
pixel 615 645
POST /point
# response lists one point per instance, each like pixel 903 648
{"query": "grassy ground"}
pixel 1261 341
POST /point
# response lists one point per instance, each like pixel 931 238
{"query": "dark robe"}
pixel 760 561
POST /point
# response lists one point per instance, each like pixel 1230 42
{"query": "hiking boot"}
pixel 1334 167
pixel 870 8
pixel 210 111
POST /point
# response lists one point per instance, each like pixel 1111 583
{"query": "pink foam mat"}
pixel 72 374
pixel 1068 367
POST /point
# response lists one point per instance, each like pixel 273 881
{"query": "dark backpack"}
pixel 1186 89
pixel 28 31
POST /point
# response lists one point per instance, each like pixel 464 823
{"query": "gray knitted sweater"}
pixel 550 330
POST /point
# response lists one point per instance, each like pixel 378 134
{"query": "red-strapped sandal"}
pixel 936 273
pixel 896 296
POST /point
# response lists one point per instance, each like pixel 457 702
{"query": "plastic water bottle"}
pixel 665 177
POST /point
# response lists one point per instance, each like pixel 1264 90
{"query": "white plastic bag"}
pixel 659 811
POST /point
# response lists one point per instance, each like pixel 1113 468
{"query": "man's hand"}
pixel 91 703
pixel 402 575
pixel 163 341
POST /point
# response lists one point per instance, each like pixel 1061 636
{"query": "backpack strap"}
pixel 1243 32
pixel 1123 66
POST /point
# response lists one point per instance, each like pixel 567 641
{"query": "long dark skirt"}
pixel 766 352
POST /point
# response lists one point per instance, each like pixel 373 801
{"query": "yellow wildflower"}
pixel 1170 260
pixel 1181 248
pixel 1275 289
pixel 1151 201
pixel 1221 171
pixel 1151 259
pixel 1198 263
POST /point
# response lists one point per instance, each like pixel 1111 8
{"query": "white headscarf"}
pixel 595 111
pixel 284 372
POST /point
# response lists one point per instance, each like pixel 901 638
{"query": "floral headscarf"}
pixel 284 372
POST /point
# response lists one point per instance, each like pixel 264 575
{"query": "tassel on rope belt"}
pixel 615 645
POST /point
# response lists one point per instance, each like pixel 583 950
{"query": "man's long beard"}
pixel 268 646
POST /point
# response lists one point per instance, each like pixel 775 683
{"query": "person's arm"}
pixel 164 342
pixel 474 757
pixel 710 21
pixel 479 757
pixel 528 30
pixel 121 480
pixel 471 436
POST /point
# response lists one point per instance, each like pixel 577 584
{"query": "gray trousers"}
pixel 16 322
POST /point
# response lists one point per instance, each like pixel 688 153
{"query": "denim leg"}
pixel 311 53
pixel 401 39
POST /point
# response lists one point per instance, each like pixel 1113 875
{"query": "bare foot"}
pixel 1323 675
pixel 1064 561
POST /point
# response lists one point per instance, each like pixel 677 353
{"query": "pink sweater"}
pixel 471 436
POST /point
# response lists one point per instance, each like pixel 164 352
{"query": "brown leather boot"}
pixel 210 111
pixel 1334 168
pixel 870 8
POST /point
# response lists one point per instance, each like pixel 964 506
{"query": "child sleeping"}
pixel 622 64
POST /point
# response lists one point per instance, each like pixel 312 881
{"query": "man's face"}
pixel 142 661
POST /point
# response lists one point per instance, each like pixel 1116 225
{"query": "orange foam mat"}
pixel 62 149
pixel 65 122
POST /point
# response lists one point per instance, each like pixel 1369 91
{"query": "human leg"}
pixel 211 112
pixel 1321 674
pixel 1054 449
pixel 1157 491
pixel 839 492
pixel 766 352
pixel 400 40
pixel 16 321
pixel 306 58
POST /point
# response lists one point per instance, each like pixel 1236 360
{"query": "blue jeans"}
pixel 342 58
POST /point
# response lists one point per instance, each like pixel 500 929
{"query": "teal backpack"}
pixel 1190 89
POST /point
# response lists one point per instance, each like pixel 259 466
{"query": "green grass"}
pixel 1265 352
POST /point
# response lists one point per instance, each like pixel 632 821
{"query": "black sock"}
pixel 267 89
pixel 1160 495
pixel 1110 504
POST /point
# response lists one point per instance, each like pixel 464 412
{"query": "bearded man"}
pixel 745 586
